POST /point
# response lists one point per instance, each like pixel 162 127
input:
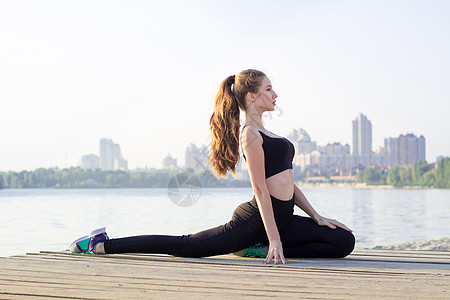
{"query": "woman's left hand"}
pixel 322 221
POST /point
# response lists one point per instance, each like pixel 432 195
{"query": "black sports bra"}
pixel 278 154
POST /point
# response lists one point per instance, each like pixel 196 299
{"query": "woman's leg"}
pixel 302 237
pixel 215 241
pixel 244 230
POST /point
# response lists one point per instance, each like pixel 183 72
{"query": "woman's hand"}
pixel 322 221
pixel 275 253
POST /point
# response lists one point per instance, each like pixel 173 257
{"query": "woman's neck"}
pixel 254 120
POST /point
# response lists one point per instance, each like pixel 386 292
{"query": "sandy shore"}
pixel 433 245
pixel 357 186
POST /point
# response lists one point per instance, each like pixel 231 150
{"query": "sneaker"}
pixel 257 250
pixel 86 244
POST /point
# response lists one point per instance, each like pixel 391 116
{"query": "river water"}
pixel 50 219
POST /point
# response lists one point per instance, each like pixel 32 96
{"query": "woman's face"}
pixel 265 98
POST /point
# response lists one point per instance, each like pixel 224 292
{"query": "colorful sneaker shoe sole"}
pixel 253 251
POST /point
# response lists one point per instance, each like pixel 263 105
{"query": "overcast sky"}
pixel 144 73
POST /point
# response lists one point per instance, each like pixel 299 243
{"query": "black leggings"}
pixel 300 236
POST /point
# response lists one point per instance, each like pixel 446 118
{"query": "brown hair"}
pixel 224 123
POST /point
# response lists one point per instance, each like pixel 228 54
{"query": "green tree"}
pixel 372 176
pixel 117 179
pixel 393 177
pixel 7 177
pixel 137 179
pixel 419 168
pixel 50 177
pixel 443 173
pixel 2 180
pixel 429 179
pixel 31 180
pixel 360 177
pixel 14 180
pixel 406 175
pixel 40 176
pixel 206 177
pixel 447 172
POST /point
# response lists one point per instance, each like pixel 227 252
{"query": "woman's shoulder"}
pixel 250 134
pixel 248 129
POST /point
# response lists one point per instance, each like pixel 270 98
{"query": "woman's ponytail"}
pixel 225 123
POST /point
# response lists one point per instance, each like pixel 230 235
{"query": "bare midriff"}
pixel 281 185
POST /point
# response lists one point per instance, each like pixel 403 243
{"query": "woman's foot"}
pixel 91 244
pixel 99 248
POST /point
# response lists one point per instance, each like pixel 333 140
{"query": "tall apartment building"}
pixel 197 157
pixel 362 135
pixel 335 148
pixel 110 156
pixel 404 150
pixel 336 157
pixel 90 162
pixel 329 158
pixel 302 141
pixel 169 162
pixel 309 156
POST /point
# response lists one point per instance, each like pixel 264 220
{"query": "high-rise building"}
pixel 197 157
pixel 391 151
pixel 362 135
pixel 303 147
pixel 335 148
pixel 302 141
pixel 110 156
pixel 170 163
pixel 106 154
pixel 318 159
pixel 90 162
pixel 404 150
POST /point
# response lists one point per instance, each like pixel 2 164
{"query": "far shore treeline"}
pixel 421 174
pixel 76 177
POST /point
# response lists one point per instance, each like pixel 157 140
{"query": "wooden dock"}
pixel 366 274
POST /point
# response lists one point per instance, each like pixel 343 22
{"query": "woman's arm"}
pixel 252 147
pixel 301 201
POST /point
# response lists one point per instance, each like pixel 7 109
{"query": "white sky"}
pixel 144 73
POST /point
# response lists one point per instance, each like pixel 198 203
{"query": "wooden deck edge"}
pixel 397 252
pixel 229 259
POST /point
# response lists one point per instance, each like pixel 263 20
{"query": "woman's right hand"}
pixel 275 253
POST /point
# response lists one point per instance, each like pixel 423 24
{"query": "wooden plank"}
pixel 69 276
pixel 401 252
pixel 444 256
pixel 366 255
pixel 351 261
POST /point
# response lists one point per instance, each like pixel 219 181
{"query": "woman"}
pixel 263 227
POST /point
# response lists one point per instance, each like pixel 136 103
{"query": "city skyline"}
pixel 111 152
pixel 406 149
pixel 145 74
pixel 109 158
